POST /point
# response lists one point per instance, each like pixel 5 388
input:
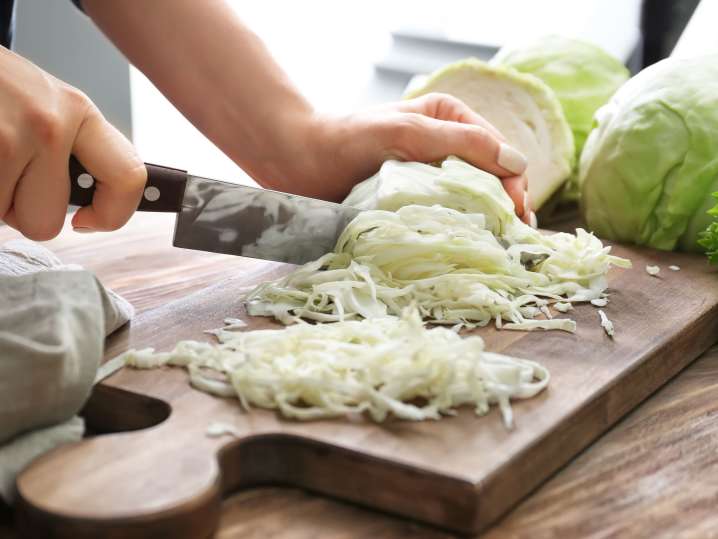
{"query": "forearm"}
pixel 219 74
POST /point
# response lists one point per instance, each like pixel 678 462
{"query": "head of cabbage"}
pixel 650 165
pixel 582 75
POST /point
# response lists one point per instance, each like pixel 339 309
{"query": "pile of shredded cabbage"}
pixel 462 269
pixel 381 366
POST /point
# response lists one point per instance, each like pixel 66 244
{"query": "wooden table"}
pixel 654 474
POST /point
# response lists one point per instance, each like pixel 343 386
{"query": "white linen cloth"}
pixel 53 323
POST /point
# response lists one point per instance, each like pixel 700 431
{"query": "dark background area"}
pixel 662 22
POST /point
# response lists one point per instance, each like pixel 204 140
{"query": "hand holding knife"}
pixel 229 218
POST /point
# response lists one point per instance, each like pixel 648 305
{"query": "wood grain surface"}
pixel 561 505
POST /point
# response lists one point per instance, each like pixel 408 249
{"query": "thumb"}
pixel 119 174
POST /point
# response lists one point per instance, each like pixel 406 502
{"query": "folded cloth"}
pixel 53 321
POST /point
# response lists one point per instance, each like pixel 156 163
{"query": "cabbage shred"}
pixel 467 262
pixel 380 367
pixel 466 269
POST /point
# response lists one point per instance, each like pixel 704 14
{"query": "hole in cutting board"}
pixel 110 409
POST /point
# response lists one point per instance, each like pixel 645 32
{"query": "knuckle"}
pixel 438 96
pixel 477 135
pixel 45 123
pixel 9 146
pixel 409 126
pixel 443 103
pixel 404 132
pixel 77 98
pixel 137 174
pixel 42 231
pixel 131 180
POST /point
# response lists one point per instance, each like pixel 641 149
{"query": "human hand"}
pixel 42 122
pixel 244 102
pixel 349 149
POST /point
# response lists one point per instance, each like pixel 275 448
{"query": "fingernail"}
pixel 533 221
pixel 511 159
pixel 82 229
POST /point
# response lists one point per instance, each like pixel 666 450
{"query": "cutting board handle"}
pixel 169 480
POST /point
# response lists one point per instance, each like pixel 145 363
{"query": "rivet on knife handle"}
pixel 163 191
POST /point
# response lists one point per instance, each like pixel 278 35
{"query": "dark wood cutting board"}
pixel 460 473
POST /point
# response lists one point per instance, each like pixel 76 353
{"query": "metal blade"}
pixel 235 219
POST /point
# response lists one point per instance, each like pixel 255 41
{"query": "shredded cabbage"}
pixel 457 268
pixel 606 324
pixel 217 428
pixel 381 366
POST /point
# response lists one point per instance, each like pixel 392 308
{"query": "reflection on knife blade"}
pixel 257 223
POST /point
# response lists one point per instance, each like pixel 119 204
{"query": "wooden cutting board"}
pixel 167 478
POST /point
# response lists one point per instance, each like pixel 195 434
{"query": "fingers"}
pixel 516 187
pixel 475 139
pixel 119 173
pixel 447 107
pixel 42 121
pixel 34 187
pixel 14 158
pixel 489 151
pixel 40 200
pixel 421 138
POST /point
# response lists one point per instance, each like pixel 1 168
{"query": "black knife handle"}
pixel 163 191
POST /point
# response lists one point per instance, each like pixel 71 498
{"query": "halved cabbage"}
pixel 582 75
pixel 523 108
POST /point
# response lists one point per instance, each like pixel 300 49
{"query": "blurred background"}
pixel 342 55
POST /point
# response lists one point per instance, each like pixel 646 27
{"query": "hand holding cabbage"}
pixel 427 129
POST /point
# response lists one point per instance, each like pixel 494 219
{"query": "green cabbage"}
pixel 463 269
pixel 649 167
pixel 523 108
pixel 381 367
pixel 583 76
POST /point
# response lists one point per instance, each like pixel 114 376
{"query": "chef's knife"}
pixel 224 217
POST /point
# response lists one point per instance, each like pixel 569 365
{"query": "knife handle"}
pixel 163 191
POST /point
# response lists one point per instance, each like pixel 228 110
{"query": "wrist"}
pixel 295 158
pixel 273 147
pixel 319 155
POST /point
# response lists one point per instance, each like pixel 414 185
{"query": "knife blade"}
pixel 224 217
